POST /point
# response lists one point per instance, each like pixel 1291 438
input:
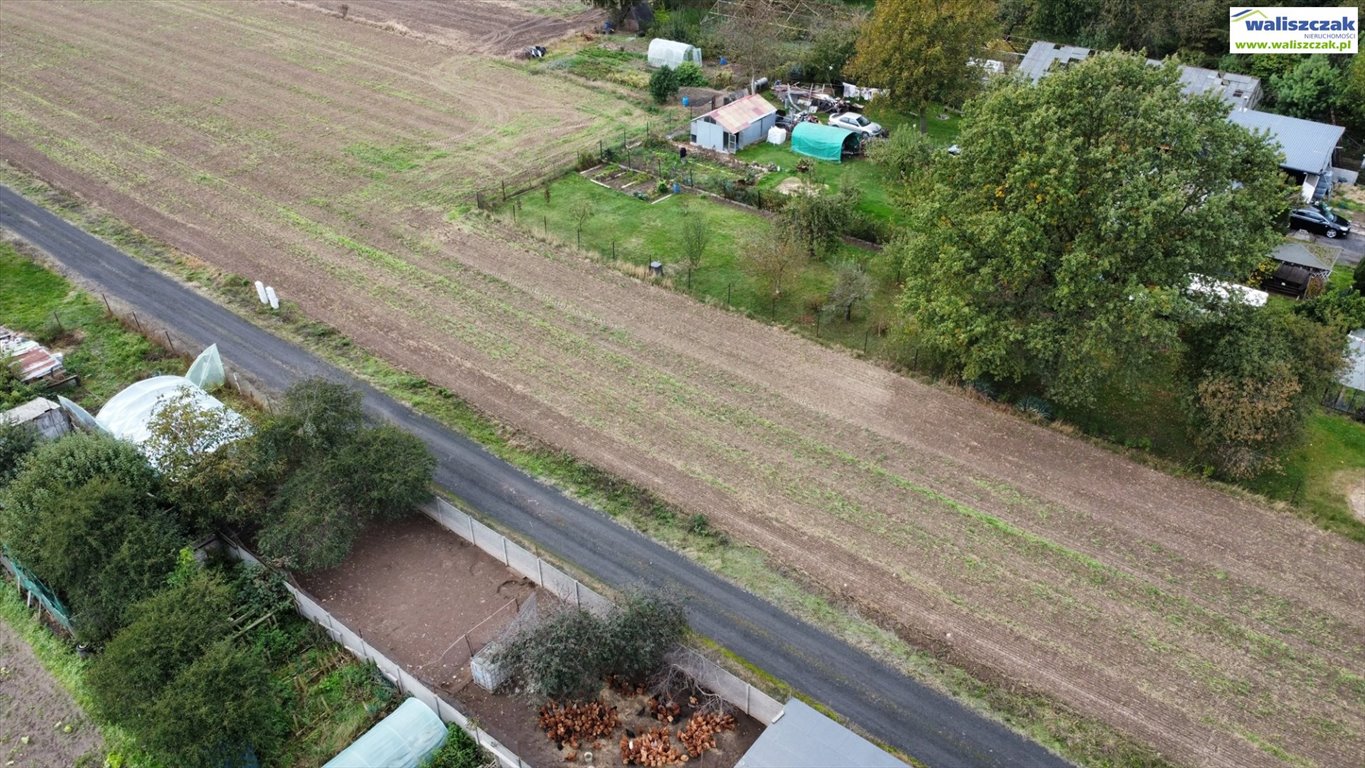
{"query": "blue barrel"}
pixel 676 187
pixel 685 101
pixel 723 62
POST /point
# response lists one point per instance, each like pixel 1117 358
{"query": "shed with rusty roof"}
pixel 736 125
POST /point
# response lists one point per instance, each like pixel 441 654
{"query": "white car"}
pixel 852 121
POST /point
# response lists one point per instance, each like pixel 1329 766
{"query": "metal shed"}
pixel 671 53
pixel 804 738
pixel 823 142
pixel 734 126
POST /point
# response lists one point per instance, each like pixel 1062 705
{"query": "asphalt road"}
pixel 895 709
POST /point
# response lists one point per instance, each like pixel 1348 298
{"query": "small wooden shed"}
pixel 734 126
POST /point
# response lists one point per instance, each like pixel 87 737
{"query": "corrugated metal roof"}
pixel 1241 91
pixel 739 114
pixel 1307 145
pixel 1318 257
pixel 804 738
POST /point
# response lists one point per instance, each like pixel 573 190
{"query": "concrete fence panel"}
pixel 522 561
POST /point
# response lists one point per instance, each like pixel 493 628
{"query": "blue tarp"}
pixel 404 739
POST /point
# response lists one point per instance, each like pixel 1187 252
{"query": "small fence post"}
pixel 137 322
pixel 58 320
pixel 471 529
pixel 613 249
pixel 540 572
pixel 577 598
pixel 546 222
pixel 169 343
pixel 106 305
pixel 505 559
pixel 504 190
pixel 866 333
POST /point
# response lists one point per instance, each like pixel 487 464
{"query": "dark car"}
pixel 1319 220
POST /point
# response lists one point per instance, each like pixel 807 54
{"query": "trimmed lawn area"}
pixel 638 233
pixel 859 173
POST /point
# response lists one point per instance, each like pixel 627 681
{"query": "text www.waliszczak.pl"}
pixel 1292 45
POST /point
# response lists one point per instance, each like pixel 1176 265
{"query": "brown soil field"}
pixel 416 592
pixel 292 147
pixel 482 26
pixel 35 712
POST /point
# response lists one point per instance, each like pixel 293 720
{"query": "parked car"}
pixel 852 121
pixel 1319 220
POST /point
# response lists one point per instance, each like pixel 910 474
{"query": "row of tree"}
pixel 108 531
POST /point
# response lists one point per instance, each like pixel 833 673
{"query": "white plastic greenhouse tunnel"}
pixel 404 739
pixel 670 53
pixel 128 414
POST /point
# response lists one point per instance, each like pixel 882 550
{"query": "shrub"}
pixel 640 631
pixel 1036 406
pixel 16 442
pixel 459 751
pixel 663 84
pixel 167 633
pixel 568 654
pixel 561 657
pixel 329 474
pixel 83 516
pixel 690 75
pixel 586 160
pixel 214 712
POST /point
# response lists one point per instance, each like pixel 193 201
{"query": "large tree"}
pixel 918 50
pixel 1255 373
pixel 84 517
pixel 1053 251
pixel 328 474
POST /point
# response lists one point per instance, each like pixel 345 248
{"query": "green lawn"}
pixel 105 355
pixel 638 233
pixel 1333 450
pixel 858 173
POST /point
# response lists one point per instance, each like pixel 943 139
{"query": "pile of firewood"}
pixel 700 732
pixel 652 748
pixel 663 710
pixel 578 723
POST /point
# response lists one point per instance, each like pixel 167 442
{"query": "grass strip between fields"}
pixel 1072 734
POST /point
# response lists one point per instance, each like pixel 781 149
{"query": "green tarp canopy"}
pixel 822 142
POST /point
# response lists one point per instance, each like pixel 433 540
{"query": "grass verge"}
pixel 1070 733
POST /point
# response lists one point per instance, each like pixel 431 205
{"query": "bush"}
pixel 459 751
pixel 690 75
pixel 16 442
pixel 328 474
pixel 663 85
pixel 640 631
pixel 215 712
pixel 586 160
pixel 568 654
pixel 167 633
pixel 561 657
pixel 1036 406
pixel 83 516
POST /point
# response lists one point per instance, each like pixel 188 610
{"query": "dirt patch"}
pixel 288 147
pixel 798 186
pixel 425 597
pixel 40 725
pixel 1352 485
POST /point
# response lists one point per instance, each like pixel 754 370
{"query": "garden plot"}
pixel 637 184
pixel 1216 628
pixel 426 598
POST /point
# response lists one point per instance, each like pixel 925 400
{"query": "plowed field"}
pixel 323 157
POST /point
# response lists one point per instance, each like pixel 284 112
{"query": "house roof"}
pixel 1307 145
pixel 1241 91
pixel 740 113
pixel 1318 258
pixel 804 738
